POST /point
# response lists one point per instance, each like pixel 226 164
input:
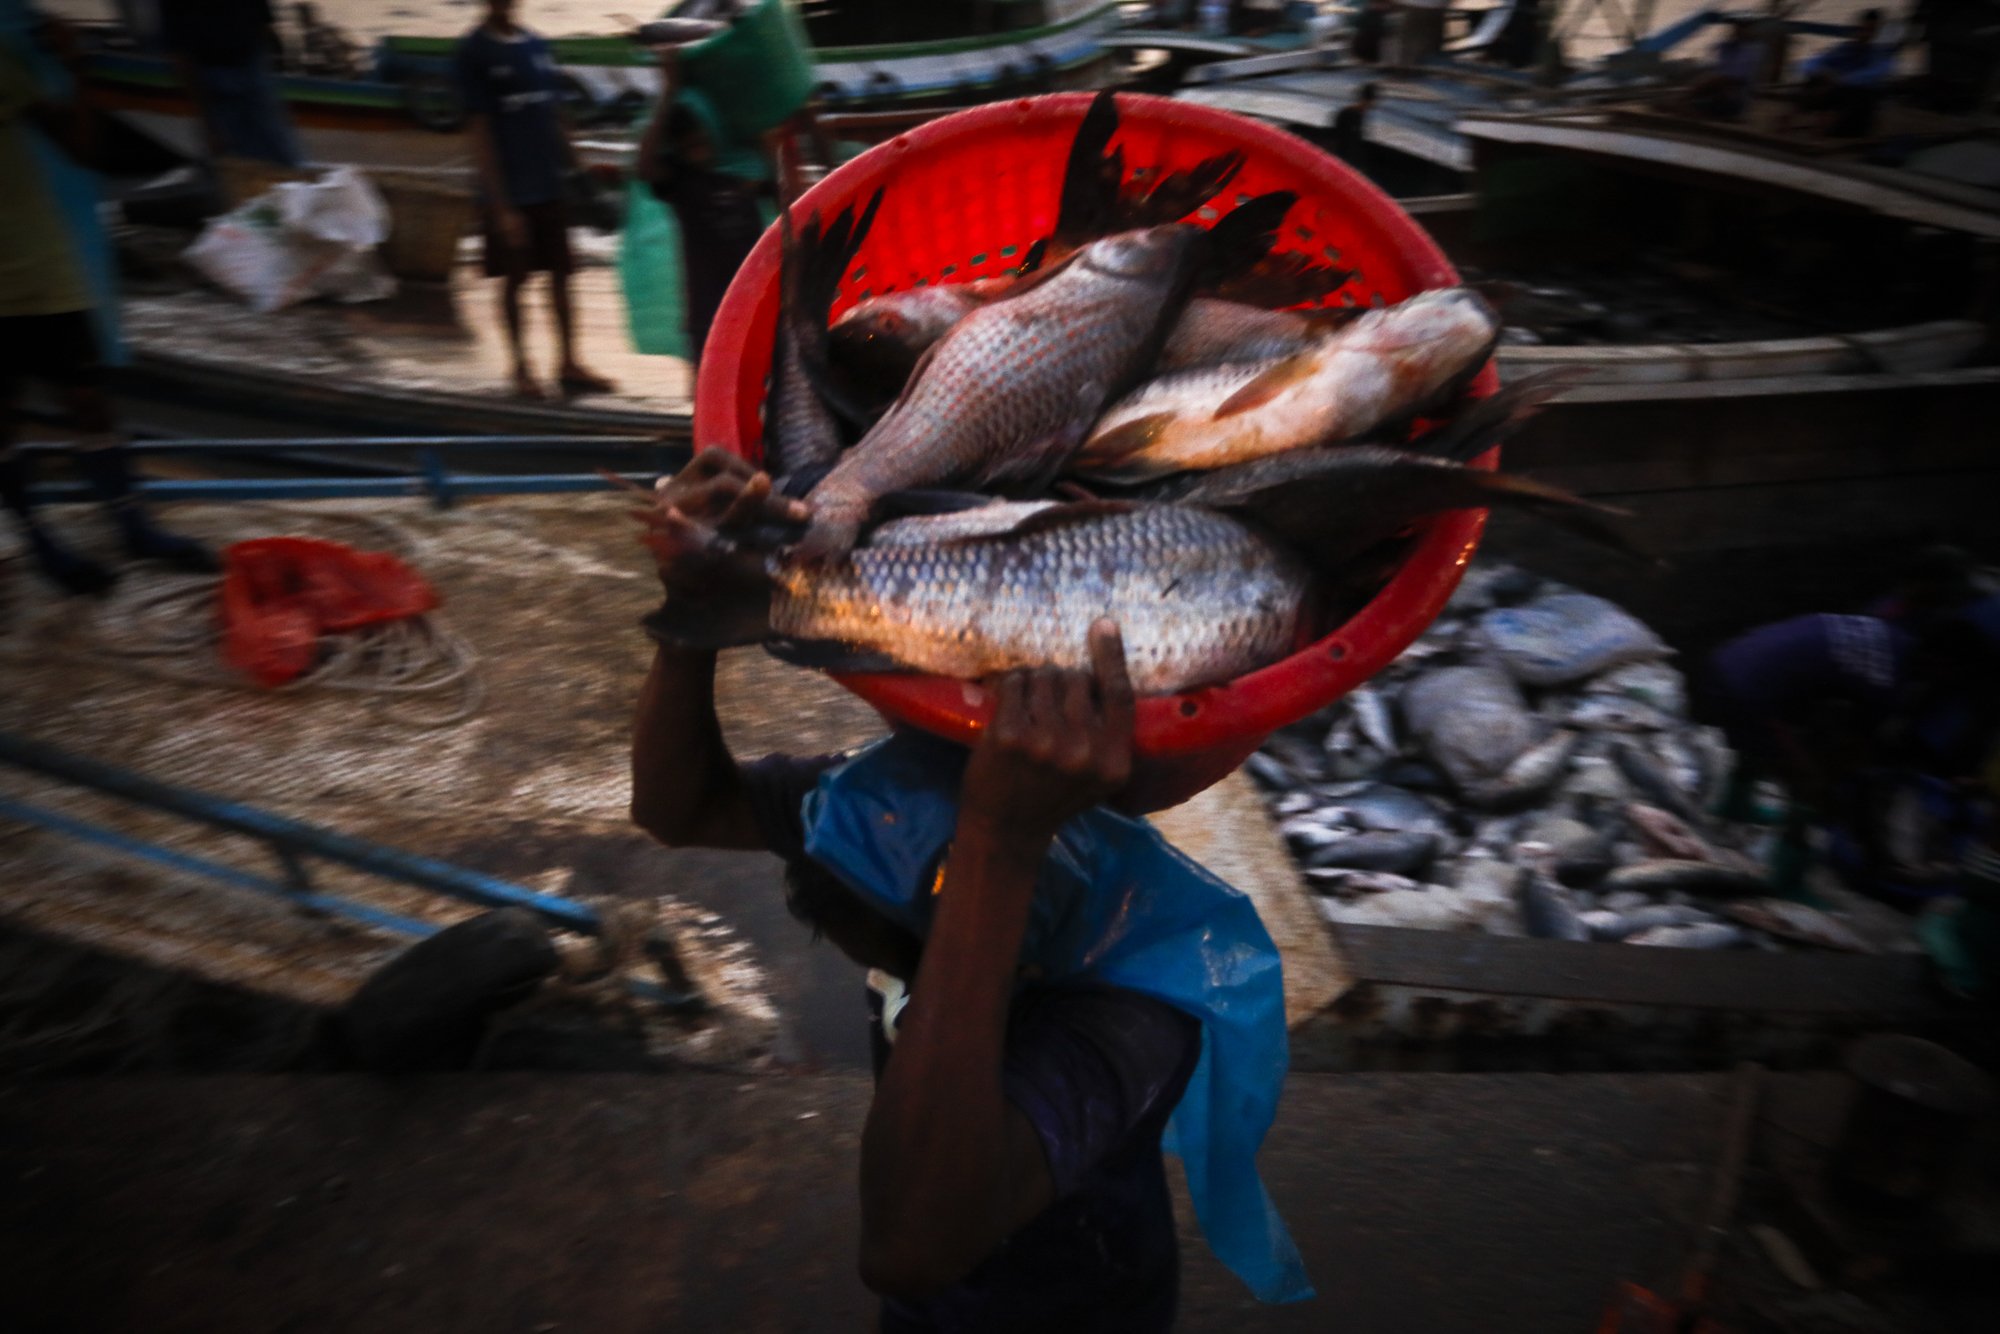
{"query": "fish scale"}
pixel 1200 598
pixel 1012 390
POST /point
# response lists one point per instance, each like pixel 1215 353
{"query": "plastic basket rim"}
pixel 1233 715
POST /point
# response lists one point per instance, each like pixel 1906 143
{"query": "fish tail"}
pixel 1586 518
pixel 813 262
pixel 1484 423
pixel 1179 193
pixel 1088 206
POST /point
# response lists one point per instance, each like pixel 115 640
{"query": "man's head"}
pixel 816 897
pixel 1366 96
pixel 1869 26
pixel 500 12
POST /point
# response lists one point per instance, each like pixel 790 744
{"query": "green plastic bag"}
pixel 650 271
pixel 653 276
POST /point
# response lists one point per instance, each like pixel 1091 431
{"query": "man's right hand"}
pixel 717 493
pixel 1059 743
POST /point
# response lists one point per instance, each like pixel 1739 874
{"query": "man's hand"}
pixel 1059 743
pixel 716 495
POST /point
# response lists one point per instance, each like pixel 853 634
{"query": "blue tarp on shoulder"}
pixel 1115 903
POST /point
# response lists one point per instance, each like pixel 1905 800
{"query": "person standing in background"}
pixel 1844 82
pixel 224 51
pixel 48 329
pixel 713 187
pixel 1371 24
pixel 508 77
pixel 1420 32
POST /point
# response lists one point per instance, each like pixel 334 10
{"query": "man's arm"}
pixel 949 1167
pixel 685 786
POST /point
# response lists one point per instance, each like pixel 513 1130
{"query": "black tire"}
pixel 427 1009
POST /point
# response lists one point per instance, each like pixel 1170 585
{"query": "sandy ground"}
pixel 425 338
pixel 530 785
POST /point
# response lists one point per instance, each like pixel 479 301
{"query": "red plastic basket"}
pixel 966 195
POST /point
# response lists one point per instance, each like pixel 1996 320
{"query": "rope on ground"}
pixel 167 628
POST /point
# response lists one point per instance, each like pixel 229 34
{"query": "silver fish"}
pixel 1403 852
pixel 1798 921
pixel 1200 598
pixel 1614 924
pixel 1013 389
pixel 1351 881
pixel 800 431
pixel 1652 781
pixel 1379 806
pixel 1371 714
pixel 1615 713
pixel 1666 874
pixel 1386 365
pixel 1549 913
pixel 1211 332
pixel 1529 777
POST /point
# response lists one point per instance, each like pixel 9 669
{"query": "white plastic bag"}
pixel 300 239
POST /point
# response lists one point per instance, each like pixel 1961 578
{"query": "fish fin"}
pixel 1091 176
pixel 1278 281
pixel 1274 380
pixel 831 655
pixel 823 257
pixel 1483 423
pixel 709 623
pixel 914 502
pixel 1332 319
pixel 1062 516
pixel 1332 503
pixel 1030 281
pixel 1037 252
pixel 799 482
pixel 1242 237
pixel 1179 193
pixel 1125 439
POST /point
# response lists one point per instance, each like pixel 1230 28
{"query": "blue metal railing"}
pixel 429 478
pixel 291 842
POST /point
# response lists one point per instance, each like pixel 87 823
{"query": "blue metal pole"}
pixel 443 877
pixel 344 443
pixel 186 861
pixel 346 488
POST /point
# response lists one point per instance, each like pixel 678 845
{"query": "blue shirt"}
pixel 512 82
pixel 1097 1071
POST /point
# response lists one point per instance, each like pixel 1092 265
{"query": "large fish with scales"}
pixel 1203 592
pixel 1012 390
pixel 1385 366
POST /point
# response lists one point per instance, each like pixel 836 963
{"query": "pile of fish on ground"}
pixel 1529 767
pixel 1135 428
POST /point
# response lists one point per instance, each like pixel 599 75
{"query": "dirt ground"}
pixel 531 784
